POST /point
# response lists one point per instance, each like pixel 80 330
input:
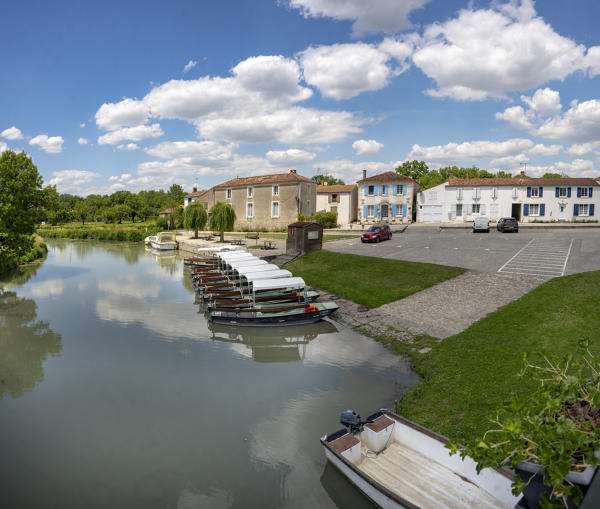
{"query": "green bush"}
pixel 326 219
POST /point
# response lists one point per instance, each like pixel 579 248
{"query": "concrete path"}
pixel 442 310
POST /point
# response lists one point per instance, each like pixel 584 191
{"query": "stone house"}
pixel 526 199
pixel 386 198
pixel 206 197
pixel 342 199
pixel 268 202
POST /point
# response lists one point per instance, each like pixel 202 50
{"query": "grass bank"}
pixel 9 263
pixel 467 376
pixel 131 232
pixel 275 235
pixel 368 280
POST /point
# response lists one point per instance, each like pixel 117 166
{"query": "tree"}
pixel 331 181
pixel 413 169
pixel 82 211
pixel 21 201
pixel 222 218
pixel 133 202
pixel 194 217
pixel 175 195
pixel 550 175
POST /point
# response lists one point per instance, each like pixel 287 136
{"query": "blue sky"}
pixel 140 95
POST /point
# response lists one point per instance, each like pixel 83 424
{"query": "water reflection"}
pixel 25 342
pixel 343 493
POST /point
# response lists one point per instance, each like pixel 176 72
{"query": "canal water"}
pixel 116 392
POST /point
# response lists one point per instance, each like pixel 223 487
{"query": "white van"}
pixel 481 224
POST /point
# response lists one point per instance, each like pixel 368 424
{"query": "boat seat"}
pixel 380 423
pixel 344 443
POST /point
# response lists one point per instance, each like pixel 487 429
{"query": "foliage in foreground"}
pixel 368 280
pixel 222 218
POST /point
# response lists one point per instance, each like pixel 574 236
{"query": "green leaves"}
pixel 222 217
pixel 194 217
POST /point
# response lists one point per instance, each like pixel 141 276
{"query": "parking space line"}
pixel 515 255
pixel 542 258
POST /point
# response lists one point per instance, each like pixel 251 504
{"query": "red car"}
pixel 377 233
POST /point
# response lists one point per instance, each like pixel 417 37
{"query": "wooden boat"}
pixel 246 302
pixel 399 464
pixel 164 241
pixel 148 240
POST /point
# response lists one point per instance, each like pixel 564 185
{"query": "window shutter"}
pixel 482 209
pixel 393 210
pixel 375 211
pixel 579 192
pixel 556 192
pixel 404 210
pixel 591 209
pixel 328 198
pixel 541 191
pixel 576 208
pixel 542 209
pixel 366 190
pixel 364 212
pixel 404 186
pixel 590 192
pixel 526 206
pixel 568 192
pixel 529 192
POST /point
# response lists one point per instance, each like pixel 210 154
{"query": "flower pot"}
pixel 536 487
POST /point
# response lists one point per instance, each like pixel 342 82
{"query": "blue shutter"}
pixel 375 211
pixel 366 190
pixel 591 209
pixel 556 192
pixel 365 212
pixel 526 207
pixel 542 209
pixel 393 210
pixel 384 189
pixel 590 192
pixel 404 186
pixel 529 192
pixel 579 192
pixel 576 208
pixel 404 210
pixel 568 192
pixel 541 191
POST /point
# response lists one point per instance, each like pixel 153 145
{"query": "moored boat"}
pixel 164 241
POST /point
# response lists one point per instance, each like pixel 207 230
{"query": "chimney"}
pixel 293 171
pixel 364 174
pixel 195 187
pixel 522 173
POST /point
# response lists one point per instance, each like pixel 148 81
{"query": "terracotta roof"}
pixel 388 176
pixel 170 210
pixel 292 176
pixel 336 189
pixel 197 193
pixel 519 182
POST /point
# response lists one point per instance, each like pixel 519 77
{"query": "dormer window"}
pixel 228 193
pixel 250 192
pixel 275 190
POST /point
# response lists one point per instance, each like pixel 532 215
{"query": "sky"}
pixel 139 95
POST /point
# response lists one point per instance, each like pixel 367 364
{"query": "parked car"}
pixel 481 224
pixel 507 224
pixel 377 233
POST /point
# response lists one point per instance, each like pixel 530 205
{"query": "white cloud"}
pixel 195 152
pixel 489 52
pixel 3 146
pixel 83 141
pixel 583 149
pixel 350 171
pixel 138 133
pixel 577 168
pixel 12 133
pixel 190 65
pixel 127 113
pixel 465 153
pixel 289 158
pixel 82 124
pixel 580 123
pixel 73 181
pixel 544 102
pixel 342 71
pixel 128 147
pixel 545 150
pixel 367 16
pixel 592 60
pixel 508 163
pixel 48 288
pixel 517 117
pixel 367 146
pixel 51 145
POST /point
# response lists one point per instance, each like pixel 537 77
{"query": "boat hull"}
pixel 164 246
pixel 267 319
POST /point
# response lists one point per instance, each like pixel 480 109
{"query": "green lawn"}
pixel 467 376
pixel 368 280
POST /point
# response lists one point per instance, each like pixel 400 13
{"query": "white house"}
pixel 526 199
pixel 342 199
pixel 386 198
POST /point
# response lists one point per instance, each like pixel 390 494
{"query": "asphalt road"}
pixel 526 252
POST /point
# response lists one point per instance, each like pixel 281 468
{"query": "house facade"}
pixel 342 199
pixel 386 198
pixel 526 199
pixel 268 202
pixel 206 197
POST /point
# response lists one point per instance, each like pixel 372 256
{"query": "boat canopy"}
pixel 242 271
pixel 166 237
pixel 243 256
pixel 227 256
pixel 279 284
pixel 246 263
pixel 228 247
pixel 269 274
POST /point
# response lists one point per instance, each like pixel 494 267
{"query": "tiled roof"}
pixel 519 182
pixel 277 178
pixel 336 189
pixel 170 210
pixel 197 193
pixel 388 176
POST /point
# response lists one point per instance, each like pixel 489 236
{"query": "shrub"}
pixel 326 219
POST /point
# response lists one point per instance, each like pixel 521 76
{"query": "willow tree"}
pixel 222 218
pixel 194 217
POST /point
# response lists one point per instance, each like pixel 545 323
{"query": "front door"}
pixel 562 215
pixel 384 212
pixel 516 211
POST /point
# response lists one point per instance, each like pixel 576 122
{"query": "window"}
pixel 459 209
pixel 228 193
pixel 476 193
pixel 515 192
pixel 562 192
pixel 399 210
pixel 432 195
pixel 275 190
pixel 535 192
pixel 459 193
pixel 308 211
pixel 584 209
pixel 584 193
pixel 205 205
pixel 476 207
pixel 399 188
pixel 334 198
pixel 371 190
pixel 494 192
pixel 250 192
pixel 384 189
pixel 370 210
pixel 534 208
pixel 250 210
pixel 275 209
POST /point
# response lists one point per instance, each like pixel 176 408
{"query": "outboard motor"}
pixel 351 420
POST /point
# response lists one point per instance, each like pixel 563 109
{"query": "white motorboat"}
pixel 164 241
pixel 399 464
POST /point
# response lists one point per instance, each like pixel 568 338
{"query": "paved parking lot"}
pixel 566 251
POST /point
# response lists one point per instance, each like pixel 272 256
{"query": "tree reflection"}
pixel 25 343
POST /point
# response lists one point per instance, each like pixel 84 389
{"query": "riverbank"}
pixel 129 232
pixel 37 252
